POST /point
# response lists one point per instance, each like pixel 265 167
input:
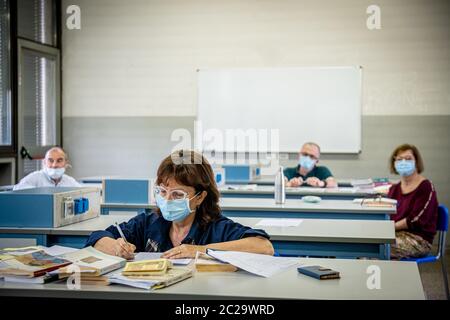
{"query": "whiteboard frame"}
pixel 324 151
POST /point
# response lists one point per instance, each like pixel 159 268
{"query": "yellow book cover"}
pixel 150 267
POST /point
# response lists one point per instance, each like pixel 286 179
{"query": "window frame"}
pixel 24 44
pixel 10 150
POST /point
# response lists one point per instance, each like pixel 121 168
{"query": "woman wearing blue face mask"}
pixel 416 217
pixel 188 218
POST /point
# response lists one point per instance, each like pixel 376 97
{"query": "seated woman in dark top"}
pixel 416 217
pixel 188 218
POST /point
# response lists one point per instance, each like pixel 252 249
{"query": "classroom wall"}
pixel 129 74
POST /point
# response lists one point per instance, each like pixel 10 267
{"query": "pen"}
pixel 121 233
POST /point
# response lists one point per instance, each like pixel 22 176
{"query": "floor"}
pixel 432 280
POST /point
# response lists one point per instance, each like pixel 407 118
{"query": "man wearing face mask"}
pixel 307 172
pixel 52 175
pixel 416 217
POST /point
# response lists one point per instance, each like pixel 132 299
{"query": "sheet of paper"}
pixel 58 250
pixel 259 264
pixel 249 187
pixel 157 255
pixel 279 222
pixel 147 256
pixel 341 190
pixel 311 190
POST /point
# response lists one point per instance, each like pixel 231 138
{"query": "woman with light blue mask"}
pixel 188 218
pixel 416 217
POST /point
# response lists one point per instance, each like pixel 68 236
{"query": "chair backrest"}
pixel 442 224
pixel 442 227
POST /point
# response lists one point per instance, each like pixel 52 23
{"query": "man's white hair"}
pixel 56 149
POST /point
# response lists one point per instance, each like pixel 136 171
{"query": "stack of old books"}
pixel 91 265
pixel 376 202
pixel 29 265
pixel 150 274
pixel 363 184
pixel 206 263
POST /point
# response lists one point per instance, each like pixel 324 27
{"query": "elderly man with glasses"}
pixel 307 172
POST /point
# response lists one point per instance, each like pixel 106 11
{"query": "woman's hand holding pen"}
pixel 116 247
pixel 183 251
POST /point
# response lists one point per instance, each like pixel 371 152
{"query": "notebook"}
pixel 92 261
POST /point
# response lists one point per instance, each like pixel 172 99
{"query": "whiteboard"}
pixel 318 104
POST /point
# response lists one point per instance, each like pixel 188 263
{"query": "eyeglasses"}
pixel 175 194
pixel 403 158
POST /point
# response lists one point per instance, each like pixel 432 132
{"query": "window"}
pixel 39 103
pixel 36 21
pixel 5 76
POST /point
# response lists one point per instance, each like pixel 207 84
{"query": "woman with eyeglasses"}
pixel 416 217
pixel 188 218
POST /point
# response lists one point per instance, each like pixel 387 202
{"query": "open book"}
pixel 92 261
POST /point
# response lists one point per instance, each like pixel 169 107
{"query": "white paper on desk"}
pixel 279 222
pixel 250 187
pixel 312 190
pixel 246 187
pixel 259 264
pixel 157 255
pixel 341 190
pixel 59 250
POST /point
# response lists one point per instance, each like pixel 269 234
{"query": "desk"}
pixel 265 191
pixel 313 237
pixel 270 181
pixel 261 208
pixel 330 238
pixel 326 209
pixel 399 280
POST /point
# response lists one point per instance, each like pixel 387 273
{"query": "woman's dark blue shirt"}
pixel 149 231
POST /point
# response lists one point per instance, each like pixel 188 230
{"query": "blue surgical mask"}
pixel 306 162
pixel 405 168
pixel 173 210
pixel 54 173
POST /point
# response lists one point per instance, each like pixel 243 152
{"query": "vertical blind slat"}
pixel 5 83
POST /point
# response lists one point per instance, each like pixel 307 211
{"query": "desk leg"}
pixel 385 251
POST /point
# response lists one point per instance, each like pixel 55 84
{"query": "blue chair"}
pixel 442 228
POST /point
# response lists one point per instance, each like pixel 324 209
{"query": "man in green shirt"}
pixel 307 173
